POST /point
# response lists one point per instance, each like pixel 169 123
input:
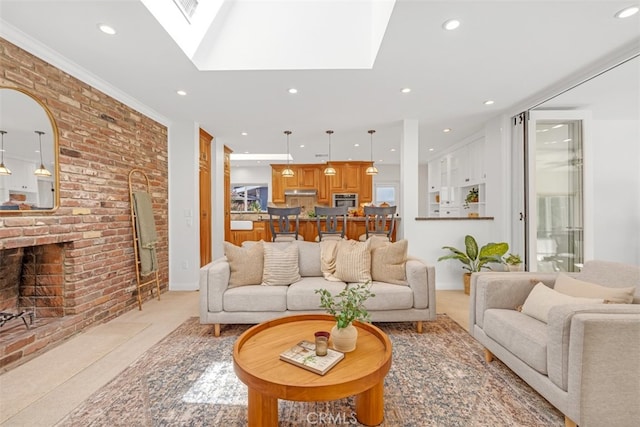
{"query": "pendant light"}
pixel 371 170
pixel 287 172
pixel 329 170
pixel 41 171
pixel 3 169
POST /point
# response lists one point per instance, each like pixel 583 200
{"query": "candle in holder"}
pixel 322 343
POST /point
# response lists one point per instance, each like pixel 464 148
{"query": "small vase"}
pixel 344 339
pixel 515 267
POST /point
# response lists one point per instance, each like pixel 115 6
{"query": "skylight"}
pixel 277 34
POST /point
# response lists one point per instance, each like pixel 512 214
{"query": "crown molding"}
pixel 45 53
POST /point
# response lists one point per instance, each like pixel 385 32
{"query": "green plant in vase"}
pixel 514 262
pixel 346 307
pixel 474 260
pixel 472 197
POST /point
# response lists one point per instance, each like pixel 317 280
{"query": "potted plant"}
pixel 514 262
pixel 475 260
pixel 346 307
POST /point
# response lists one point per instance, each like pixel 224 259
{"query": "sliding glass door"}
pixel 555 190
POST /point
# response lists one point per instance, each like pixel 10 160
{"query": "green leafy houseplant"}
pixel 473 259
pixel 348 305
pixel 513 259
pixel 472 197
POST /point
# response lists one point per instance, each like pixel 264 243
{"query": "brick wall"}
pixel 100 141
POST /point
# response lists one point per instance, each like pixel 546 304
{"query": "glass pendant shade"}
pixel 287 172
pixel 371 170
pixel 3 169
pixel 41 171
pixel 329 170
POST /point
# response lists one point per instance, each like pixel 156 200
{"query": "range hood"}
pixel 300 192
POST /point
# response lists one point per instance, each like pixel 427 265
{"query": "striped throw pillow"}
pixel 353 261
pixel 280 265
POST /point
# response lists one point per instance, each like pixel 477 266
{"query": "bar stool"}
pixel 376 219
pixel 284 224
pixel 332 219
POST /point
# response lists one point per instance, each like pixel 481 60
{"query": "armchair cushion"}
pixel 542 298
pixel 578 288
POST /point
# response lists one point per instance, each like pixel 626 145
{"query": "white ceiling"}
pixel 506 51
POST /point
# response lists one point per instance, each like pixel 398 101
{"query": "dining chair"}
pixel 284 224
pixel 376 220
pixel 328 222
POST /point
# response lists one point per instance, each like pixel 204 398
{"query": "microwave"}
pixel 350 200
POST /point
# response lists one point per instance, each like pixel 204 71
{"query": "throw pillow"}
pixel 280 265
pixel 245 264
pixel 388 262
pixel 353 261
pixel 542 298
pixel 328 251
pixel 578 288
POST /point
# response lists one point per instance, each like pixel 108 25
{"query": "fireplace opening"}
pixel 31 286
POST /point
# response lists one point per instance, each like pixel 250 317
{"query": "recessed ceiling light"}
pixel 451 24
pixel 293 90
pixel 393 149
pixel 301 145
pixel 446 130
pixel 405 90
pixel 246 152
pixel 356 145
pixel 244 134
pixel 431 149
pixel 627 12
pixel 107 29
pixel 181 92
pixel 489 102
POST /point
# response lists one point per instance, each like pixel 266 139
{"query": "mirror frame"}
pixel 56 160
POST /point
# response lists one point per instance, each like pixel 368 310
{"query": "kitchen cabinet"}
pixel 350 177
pixel 452 176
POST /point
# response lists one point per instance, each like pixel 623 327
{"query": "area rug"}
pixel 437 378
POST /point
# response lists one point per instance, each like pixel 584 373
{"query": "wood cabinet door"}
pixel 204 179
pixel 351 182
pixel 227 191
pixel 277 184
pixel 308 177
pixel 324 195
pixel 366 185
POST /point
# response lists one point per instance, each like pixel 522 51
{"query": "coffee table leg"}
pixel 263 410
pixel 370 405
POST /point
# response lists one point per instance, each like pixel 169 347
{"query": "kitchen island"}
pixel 308 228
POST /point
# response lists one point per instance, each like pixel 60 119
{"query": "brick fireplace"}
pixel 76 264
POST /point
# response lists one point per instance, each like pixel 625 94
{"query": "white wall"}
pixel 184 224
pixel 616 154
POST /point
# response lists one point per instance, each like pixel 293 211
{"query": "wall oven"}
pixel 350 200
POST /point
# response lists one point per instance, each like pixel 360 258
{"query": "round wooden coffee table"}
pixel 361 373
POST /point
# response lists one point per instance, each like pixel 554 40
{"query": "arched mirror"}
pixel 29 154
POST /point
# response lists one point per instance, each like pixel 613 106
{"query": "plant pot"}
pixel 344 339
pixel 467 283
pixel 515 267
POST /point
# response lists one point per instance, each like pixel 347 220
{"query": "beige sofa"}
pixel 220 304
pixel 585 360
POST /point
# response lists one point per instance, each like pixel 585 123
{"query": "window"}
pixel 386 193
pixel 249 197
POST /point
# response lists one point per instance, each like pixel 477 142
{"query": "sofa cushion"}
pixel 302 295
pixel 353 261
pixel 280 265
pixel 328 251
pixel 389 297
pixel 578 288
pixel 388 261
pixel 309 258
pixel 246 264
pixel 520 334
pixel 255 298
pixel 542 298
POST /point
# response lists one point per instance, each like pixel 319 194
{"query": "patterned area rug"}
pixel 437 378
